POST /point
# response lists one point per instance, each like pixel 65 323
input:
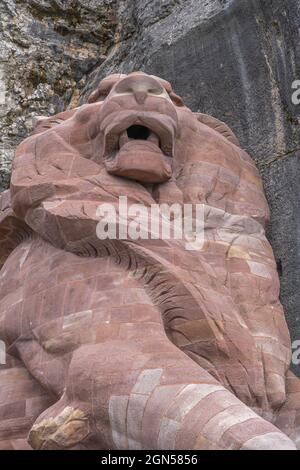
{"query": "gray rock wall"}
pixel 47 50
pixel 233 59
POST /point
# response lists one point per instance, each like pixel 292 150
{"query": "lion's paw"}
pixel 65 430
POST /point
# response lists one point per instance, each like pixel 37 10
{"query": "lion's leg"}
pixel 146 394
pixel 288 419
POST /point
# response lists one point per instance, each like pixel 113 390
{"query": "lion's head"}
pixel 138 127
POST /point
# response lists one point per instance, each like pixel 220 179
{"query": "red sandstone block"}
pixel 156 405
pixel 35 406
pixel 39 280
pixel 135 295
pixel 136 330
pixel 115 280
pixel 101 315
pixel 121 314
pixel 6 445
pixel 78 295
pixel 144 313
pixel 78 271
pixel 15 428
pixel 107 298
pixel 13 410
pixel 107 332
pixel 52 303
pixel 31 312
pixel 20 444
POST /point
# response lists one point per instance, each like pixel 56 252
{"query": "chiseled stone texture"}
pixel 141 343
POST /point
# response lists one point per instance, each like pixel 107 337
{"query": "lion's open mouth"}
pixel 140 135
pixel 139 145
pixel 138 132
pixel 149 130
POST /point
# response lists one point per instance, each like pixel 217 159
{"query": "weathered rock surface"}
pixel 234 59
pixel 47 48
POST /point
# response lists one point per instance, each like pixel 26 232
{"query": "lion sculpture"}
pixel 140 344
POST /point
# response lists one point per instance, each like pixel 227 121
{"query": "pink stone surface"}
pixel 122 344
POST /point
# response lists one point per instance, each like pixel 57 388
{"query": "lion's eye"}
pixel 155 91
pixel 102 97
pixel 105 91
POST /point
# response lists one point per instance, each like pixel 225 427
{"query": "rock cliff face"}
pixel 47 50
pixel 233 59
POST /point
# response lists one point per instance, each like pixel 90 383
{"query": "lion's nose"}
pixel 140 95
pixel 140 86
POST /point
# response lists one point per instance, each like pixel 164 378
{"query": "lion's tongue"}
pixel 142 161
pixel 139 146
